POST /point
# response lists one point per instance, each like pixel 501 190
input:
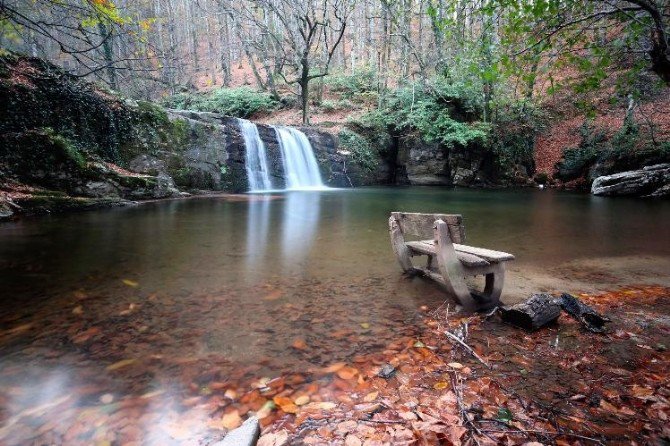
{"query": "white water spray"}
pixel 300 167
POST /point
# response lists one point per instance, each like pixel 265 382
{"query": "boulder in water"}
pixel 650 181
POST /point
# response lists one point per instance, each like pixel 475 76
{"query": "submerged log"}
pixel 539 310
pixel 587 316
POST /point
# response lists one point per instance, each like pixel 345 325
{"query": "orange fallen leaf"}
pixel 334 367
pixel 276 294
pixel 299 344
pixel 440 386
pixel 347 372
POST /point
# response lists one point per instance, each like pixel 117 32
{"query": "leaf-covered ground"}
pixel 560 385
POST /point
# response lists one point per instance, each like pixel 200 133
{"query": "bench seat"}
pixel 469 255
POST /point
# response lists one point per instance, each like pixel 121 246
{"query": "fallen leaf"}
pixel 274 439
pixel 504 414
pixel 455 365
pixel 370 397
pixel 299 344
pixel 285 404
pixel 276 294
pixel 78 310
pixel 266 410
pixel 121 364
pixel 352 440
pixel 347 372
pixel 130 283
pixel 419 344
pixel 334 367
pixel 322 405
pixel 231 420
pixel 440 386
pixel 107 398
pixel 365 325
pixel 301 400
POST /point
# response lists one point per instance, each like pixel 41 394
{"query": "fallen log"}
pixel 541 309
pixel 587 316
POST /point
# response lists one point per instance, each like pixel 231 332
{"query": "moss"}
pixel 152 113
pixel 68 149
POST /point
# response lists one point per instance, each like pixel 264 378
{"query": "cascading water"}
pixel 256 159
pixel 300 167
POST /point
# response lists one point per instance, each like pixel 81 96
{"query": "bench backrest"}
pixel 421 225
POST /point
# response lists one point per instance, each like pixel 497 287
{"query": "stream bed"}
pixel 166 302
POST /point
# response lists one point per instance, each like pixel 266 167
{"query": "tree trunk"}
pixel 108 53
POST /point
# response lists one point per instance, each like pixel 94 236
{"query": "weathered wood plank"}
pixel 398 243
pixel 421 225
pixel 427 247
pixel 487 254
pixel 451 269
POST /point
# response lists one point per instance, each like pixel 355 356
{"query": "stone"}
pixel 387 371
pixel 650 181
pixel 245 435
pixel 6 211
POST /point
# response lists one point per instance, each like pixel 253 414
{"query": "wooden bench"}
pixel 441 238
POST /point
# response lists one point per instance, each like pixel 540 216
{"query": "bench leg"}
pixel 495 281
pixel 451 269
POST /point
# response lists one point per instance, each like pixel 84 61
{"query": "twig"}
pixel 467 347
pixel 458 391
pixel 382 421
pixel 539 432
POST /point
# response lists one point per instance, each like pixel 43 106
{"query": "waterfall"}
pixel 256 159
pixel 300 167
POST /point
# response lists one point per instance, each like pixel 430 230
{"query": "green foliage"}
pixel 331 106
pixel 441 111
pixel 359 84
pixel 515 127
pixel 576 160
pixel 542 178
pixel 242 102
pixel 361 150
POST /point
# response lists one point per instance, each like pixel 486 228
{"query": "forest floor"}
pixel 560 385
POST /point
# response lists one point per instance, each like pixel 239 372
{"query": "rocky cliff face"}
pixel 650 181
pixel 425 163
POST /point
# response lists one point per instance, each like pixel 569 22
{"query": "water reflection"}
pixel 289 227
pixel 300 220
pixel 258 223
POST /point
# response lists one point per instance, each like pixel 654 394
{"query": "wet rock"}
pixel 650 181
pixel 147 164
pixel 387 371
pixel 6 211
pixel 245 435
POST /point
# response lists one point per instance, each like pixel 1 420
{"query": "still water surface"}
pixel 268 285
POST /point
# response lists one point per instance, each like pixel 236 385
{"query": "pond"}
pixel 179 298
